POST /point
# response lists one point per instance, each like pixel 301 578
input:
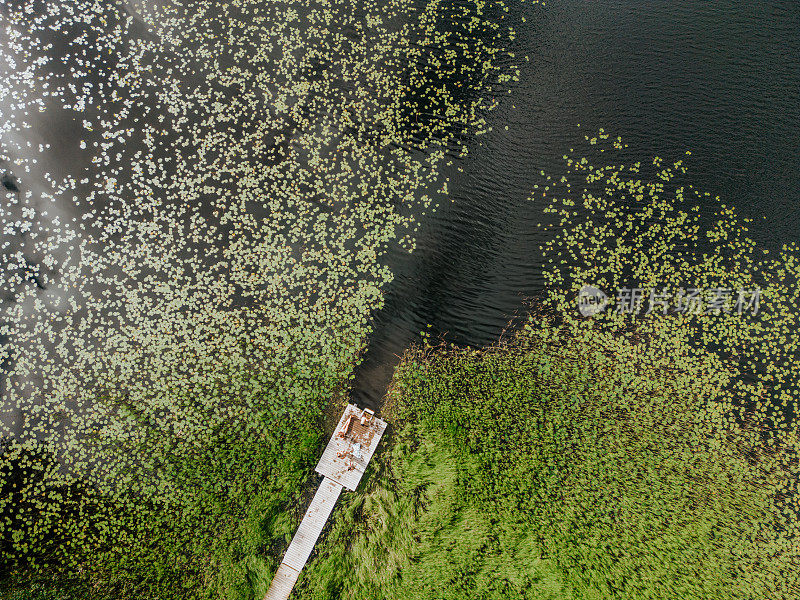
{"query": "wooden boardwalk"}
pixel 342 464
pixel 312 524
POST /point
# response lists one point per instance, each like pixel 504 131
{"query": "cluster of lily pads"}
pixel 622 226
pixel 208 256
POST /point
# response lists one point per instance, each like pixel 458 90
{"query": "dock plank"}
pixel 312 524
pixel 282 584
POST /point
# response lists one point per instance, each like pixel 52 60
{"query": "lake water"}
pixel 721 79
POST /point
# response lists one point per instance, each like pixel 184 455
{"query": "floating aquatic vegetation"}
pixel 642 225
pixel 205 230
pixel 581 451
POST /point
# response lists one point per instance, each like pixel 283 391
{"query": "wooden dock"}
pixel 342 464
pixel 350 449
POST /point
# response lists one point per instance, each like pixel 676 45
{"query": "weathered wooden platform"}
pixel 343 464
pixel 350 449
pixel 283 583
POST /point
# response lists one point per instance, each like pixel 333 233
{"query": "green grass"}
pixel 415 534
pixel 548 468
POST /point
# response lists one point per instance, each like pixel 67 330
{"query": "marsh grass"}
pixel 549 468
pixel 243 501
pixel 414 534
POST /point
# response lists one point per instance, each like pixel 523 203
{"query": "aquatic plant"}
pixel 589 450
pixel 644 226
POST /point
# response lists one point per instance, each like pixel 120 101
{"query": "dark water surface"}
pixel 720 78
